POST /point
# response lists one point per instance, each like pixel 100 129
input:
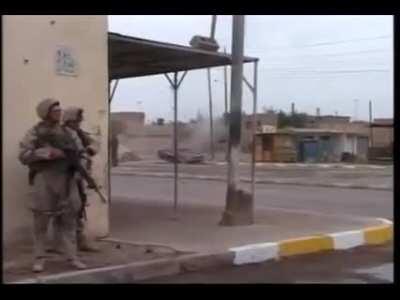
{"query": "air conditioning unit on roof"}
pixel 204 43
pixel 268 129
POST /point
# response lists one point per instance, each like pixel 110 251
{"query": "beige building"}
pixel 52 56
pixel 265 122
pixel 132 122
pixel 382 131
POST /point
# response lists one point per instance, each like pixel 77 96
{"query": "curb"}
pixel 259 181
pixel 376 235
pixel 248 254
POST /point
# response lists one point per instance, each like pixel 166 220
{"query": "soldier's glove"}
pixel 90 151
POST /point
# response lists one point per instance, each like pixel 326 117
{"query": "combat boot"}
pixel 76 263
pixel 84 245
pixel 55 250
pixel 38 265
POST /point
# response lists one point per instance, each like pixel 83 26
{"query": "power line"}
pixel 329 71
pixel 307 68
pixel 332 54
pixel 355 52
pixel 345 41
pixel 312 75
pixel 326 66
pixel 333 43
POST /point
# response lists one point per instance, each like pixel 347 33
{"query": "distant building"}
pixel 265 122
pixel 268 118
pixel 382 133
pixel 311 145
pixel 325 121
pixel 341 123
pixel 382 139
pixel 275 147
pixel 131 122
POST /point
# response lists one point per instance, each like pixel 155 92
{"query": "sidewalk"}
pixel 193 240
pixel 17 260
pixel 196 227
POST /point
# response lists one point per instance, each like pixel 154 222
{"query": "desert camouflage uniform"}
pixel 84 142
pixel 54 192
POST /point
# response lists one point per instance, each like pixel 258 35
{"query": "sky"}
pixel 336 63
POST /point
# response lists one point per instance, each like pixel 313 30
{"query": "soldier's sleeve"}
pixel 93 144
pixel 28 152
pixel 76 140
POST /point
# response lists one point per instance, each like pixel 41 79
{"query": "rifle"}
pixel 73 157
pixel 83 196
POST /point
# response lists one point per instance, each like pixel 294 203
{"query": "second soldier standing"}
pixel 72 119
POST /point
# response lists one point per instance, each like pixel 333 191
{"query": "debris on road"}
pixel 125 154
pixel 184 156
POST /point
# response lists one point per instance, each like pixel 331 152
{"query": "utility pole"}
pixel 212 36
pixel 226 104
pixel 239 203
pixel 226 86
pixel 213 23
pixel 371 136
pixel 211 115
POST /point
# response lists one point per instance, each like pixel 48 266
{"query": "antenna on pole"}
pixel 355 117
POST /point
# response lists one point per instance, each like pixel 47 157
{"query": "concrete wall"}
pixel 326 121
pixel 382 137
pixel 133 122
pixel 29 74
pixel 346 144
pixel 350 144
pixel 338 145
pixel 362 148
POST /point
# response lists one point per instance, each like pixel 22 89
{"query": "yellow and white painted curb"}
pixel 256 253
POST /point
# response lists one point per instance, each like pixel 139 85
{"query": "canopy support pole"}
pixel 175 84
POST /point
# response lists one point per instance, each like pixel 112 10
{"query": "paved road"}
pixel 362 265
pixel 359 175
pixel 369 203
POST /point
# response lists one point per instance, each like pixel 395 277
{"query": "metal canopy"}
pixel 135 57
